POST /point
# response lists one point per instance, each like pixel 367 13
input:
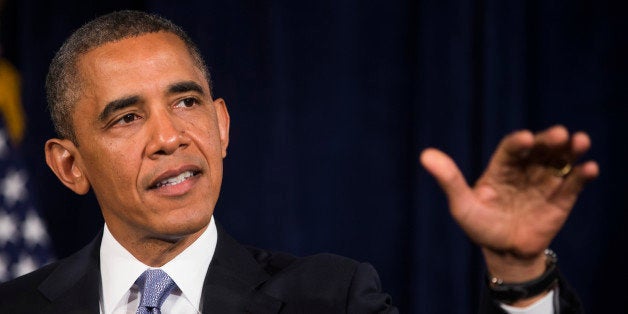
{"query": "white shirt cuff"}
pixel 542 306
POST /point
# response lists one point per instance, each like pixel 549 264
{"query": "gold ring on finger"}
pixel 563 171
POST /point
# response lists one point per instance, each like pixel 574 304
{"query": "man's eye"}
pixel 127 118
pixel 187 102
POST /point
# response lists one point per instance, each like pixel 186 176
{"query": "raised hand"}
pixel 521 200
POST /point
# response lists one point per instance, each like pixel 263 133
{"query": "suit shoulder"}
pixel 275 262
pixel 28 281
pixel 24 290
pixel 323 283
pixel 320 274
pixel 36 289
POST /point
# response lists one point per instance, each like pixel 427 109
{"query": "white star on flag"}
pixel 7 227
pixel 13 186
pixel 33 229
pixel 24 243
pixel 25 265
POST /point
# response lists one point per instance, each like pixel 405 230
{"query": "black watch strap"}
pixel 510 292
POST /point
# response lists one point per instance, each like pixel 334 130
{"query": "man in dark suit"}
pixel 130 98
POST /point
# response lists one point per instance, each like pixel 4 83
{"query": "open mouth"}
pixel 185 175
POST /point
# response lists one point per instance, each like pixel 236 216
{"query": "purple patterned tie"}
pixel 155 286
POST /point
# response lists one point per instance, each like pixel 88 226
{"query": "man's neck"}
pixel 155 251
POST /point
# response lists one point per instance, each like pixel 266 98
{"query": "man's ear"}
pixel 223 124
pixel 61 157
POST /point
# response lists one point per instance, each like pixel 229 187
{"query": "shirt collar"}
pixel 119 269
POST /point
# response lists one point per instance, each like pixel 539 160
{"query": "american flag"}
pixel 24 242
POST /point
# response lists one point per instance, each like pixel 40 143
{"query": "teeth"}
pixel 176 180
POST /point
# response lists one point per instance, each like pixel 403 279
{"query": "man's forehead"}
pixel 147 59
pixel 135 49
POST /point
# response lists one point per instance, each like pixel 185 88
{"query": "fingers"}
pixel 573 183
pixel 580 143
pixel 446 173
pixel 546 161
pixel 514 147
pixel 559 144
pixel 552 148
pixel 542 161
pixel 555 136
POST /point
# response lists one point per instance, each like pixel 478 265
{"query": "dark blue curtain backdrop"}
pixel 332 101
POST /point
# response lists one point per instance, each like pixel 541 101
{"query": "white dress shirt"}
pixel 119 270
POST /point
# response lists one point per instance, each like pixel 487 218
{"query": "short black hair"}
pixel 62 82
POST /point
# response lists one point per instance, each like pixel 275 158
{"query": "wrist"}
pixel 520 293
pixel 514 268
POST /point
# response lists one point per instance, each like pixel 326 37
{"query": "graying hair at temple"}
pixel 63 82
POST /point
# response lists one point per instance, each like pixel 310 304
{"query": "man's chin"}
pixel 175 232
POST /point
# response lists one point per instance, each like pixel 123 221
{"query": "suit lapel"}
pixel 73 287
pixel 232 281
pixel 231 284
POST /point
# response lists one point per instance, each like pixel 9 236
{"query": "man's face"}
pixel 150 138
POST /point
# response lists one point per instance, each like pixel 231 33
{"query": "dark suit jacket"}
pixel 240 280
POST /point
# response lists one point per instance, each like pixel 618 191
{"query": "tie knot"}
pixel 155 286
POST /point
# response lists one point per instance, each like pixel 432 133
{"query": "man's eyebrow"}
pixel 186 86
pixel 116 105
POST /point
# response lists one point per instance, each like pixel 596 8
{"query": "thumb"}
pixel 448 176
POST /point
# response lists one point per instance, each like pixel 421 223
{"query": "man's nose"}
pixel 166 134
